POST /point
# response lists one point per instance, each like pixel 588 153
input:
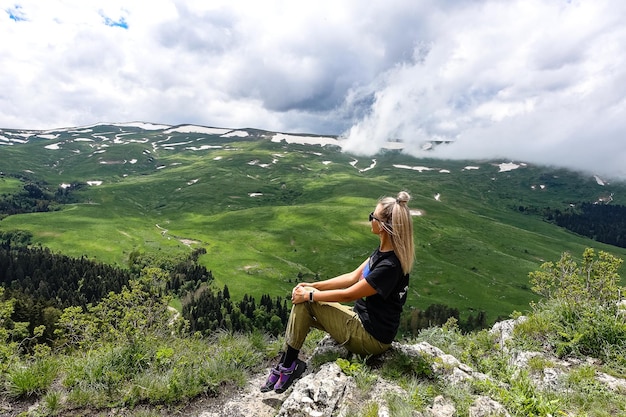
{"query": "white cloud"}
pixel 521 79
pixel 525 80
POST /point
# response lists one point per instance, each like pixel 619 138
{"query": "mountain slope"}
pixel 269 206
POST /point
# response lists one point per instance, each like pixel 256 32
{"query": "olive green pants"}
pixel 336 319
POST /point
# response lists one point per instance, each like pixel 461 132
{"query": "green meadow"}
pixel 269 213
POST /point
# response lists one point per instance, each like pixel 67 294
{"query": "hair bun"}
pixel 403 197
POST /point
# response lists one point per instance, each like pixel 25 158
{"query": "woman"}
pixel 379 286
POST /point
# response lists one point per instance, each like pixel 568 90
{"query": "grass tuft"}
pixel 31 378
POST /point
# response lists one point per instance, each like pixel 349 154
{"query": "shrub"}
pixel 400 366
pixel 589 396
pixel 31 379
pixel 521 397
pixel 595 280
pixel 363 377
pixel 423 394
pixel 580 315
pixel 53 403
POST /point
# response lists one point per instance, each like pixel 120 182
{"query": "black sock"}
pixel 282 359
pixel 289 356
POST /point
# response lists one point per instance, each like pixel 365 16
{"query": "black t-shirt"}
pixel 380 313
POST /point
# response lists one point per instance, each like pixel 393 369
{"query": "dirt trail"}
pixel 247 402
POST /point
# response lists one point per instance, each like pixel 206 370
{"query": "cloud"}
pixel 523 80
pixel 519 79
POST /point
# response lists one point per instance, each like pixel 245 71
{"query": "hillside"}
pixel 271 207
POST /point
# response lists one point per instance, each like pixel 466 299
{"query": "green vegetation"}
pixel 9 185
pixel 582 308
pixel 42 284
pixel 130 350
pixel 268 214
pixel 193 238
pixel 602 222
pixel 126 350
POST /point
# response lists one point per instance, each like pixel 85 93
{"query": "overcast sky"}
pixel 540 81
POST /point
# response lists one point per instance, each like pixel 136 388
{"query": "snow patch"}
pixel 305 140
pixel 54 146
pixel 198 129
pixel 255 194
pixel 605 199
pixel 203 147
pixel 599 180
pixel 469 168
pixel 94 182
pixel 179 143
pixel 144 140
pixel 372 165
pixel 417 168
pixel 509 166
pixel 18 140
pixel 236 133
pixel 142 125
pixel 256 162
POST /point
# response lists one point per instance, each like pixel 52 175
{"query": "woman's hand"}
pixel 301 285
pixel 300 294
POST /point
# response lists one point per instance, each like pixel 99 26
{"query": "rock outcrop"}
pixel 329 392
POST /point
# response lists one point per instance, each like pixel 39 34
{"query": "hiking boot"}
pixel 288 375
pixel 272 379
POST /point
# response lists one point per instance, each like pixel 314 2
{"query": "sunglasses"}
pixel 372 217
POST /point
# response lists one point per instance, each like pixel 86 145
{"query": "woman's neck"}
pixel 385 243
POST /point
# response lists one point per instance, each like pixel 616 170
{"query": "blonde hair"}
pixel 398 223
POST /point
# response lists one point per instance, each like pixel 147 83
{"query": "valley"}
pixel 273 208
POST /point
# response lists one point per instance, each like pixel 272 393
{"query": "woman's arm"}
pixel 341 281
pixel 358 290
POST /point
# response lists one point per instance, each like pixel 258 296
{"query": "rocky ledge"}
pixel 329 392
